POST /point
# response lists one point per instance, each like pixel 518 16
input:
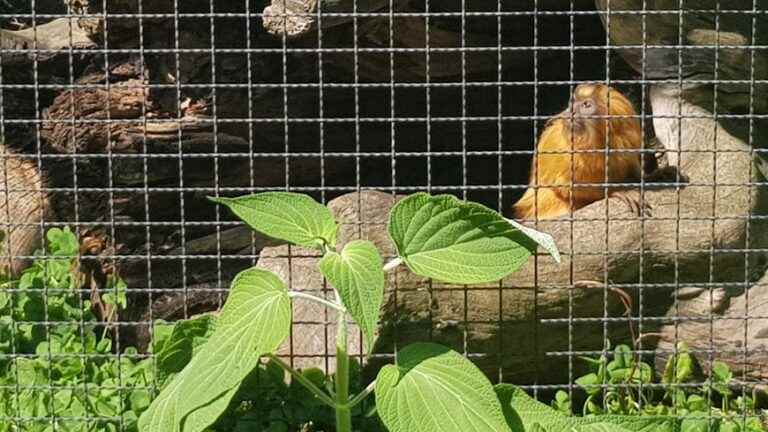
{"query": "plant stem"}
pixel 337 306
pixel 362 395
pixel 304 381
pixel 388 267
pixel 109 320
pixel 343 411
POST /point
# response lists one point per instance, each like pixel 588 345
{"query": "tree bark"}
pixel 718 326
pixel 24 207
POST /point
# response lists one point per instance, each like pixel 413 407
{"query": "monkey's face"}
pixel 587 106
pixel 589 117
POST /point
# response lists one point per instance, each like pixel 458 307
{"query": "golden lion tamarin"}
pixel 572 151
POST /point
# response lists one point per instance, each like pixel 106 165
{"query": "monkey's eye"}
pixel 587 104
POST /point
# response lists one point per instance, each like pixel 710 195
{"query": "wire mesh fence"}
pixel 118 119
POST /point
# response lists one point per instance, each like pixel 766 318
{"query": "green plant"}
pixel 615 373
pixel 47 358
pixel 530 415
pixel 57 366
pixel 621 386
pixel 265 402
pixel 429 388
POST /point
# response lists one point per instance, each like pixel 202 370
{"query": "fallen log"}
pixel 521 324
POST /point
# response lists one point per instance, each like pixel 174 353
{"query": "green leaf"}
pixel 730 426
pixel 201 418
pixel 292 217
pixel 562 402
pixel 542 239
pixel 357 275
pixel 521 409
pixel 721 373
pixel 622 354
pixel 164 414
pixel 62 242
pixel 696 425
pixel 140 400
pixel 695 402
pixel 104 346
pixel 178 348
pixel 457 242
pixel 435 389
pixel 590 383
pixel 62 399
pixel 254 321
pixel 680 367
pixel 116 295
pixel 161 333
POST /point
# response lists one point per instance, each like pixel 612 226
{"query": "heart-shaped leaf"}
pixel 292 217
pixel 454 241
pixel 254 321
pixel 434 389
pixel 357 275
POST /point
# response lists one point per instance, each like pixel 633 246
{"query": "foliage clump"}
pixel 59 366
pixel 621 384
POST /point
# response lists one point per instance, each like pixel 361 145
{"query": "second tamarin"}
pixel 570 169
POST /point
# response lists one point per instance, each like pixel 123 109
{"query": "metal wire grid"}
pixel 499 191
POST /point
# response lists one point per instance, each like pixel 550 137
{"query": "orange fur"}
pixel 559 167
